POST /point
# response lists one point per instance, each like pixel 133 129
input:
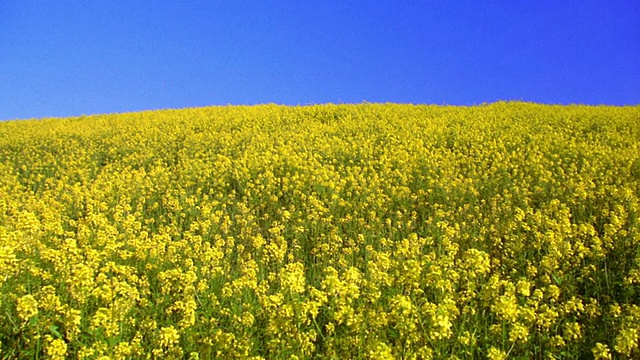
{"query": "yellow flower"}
pixel 627 341
pixel 48 299
pixel 123 350
pixel 553 292
pixel 572 331
pixel 292 278
pixel 506 308
pixel 496 354
pixel 518 333
pixel 524 287
pixel 56 348
pixel 27 307
pixel 72 323
pixel 169 336
pixel 381 352
pixel 601 352
pixel 557 341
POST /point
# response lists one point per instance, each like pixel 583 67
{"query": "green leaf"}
pixel 557 279
pixel 33 321
pixel 54 330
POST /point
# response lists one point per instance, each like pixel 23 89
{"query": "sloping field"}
pixel 335 231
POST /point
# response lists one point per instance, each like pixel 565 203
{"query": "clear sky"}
pixel 68 57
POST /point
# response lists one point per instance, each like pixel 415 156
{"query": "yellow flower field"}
pixel 381 231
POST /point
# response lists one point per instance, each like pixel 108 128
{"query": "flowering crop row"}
pixel 508 230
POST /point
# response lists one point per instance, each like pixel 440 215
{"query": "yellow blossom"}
pixel 27 307
pixel 56 348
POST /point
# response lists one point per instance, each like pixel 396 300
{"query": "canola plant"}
pixel 374 231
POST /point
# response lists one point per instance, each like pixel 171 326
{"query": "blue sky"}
pixel 68 58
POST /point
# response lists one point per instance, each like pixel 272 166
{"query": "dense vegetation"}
pixel 335 231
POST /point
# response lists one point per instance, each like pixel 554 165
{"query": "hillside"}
pixel 330 231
